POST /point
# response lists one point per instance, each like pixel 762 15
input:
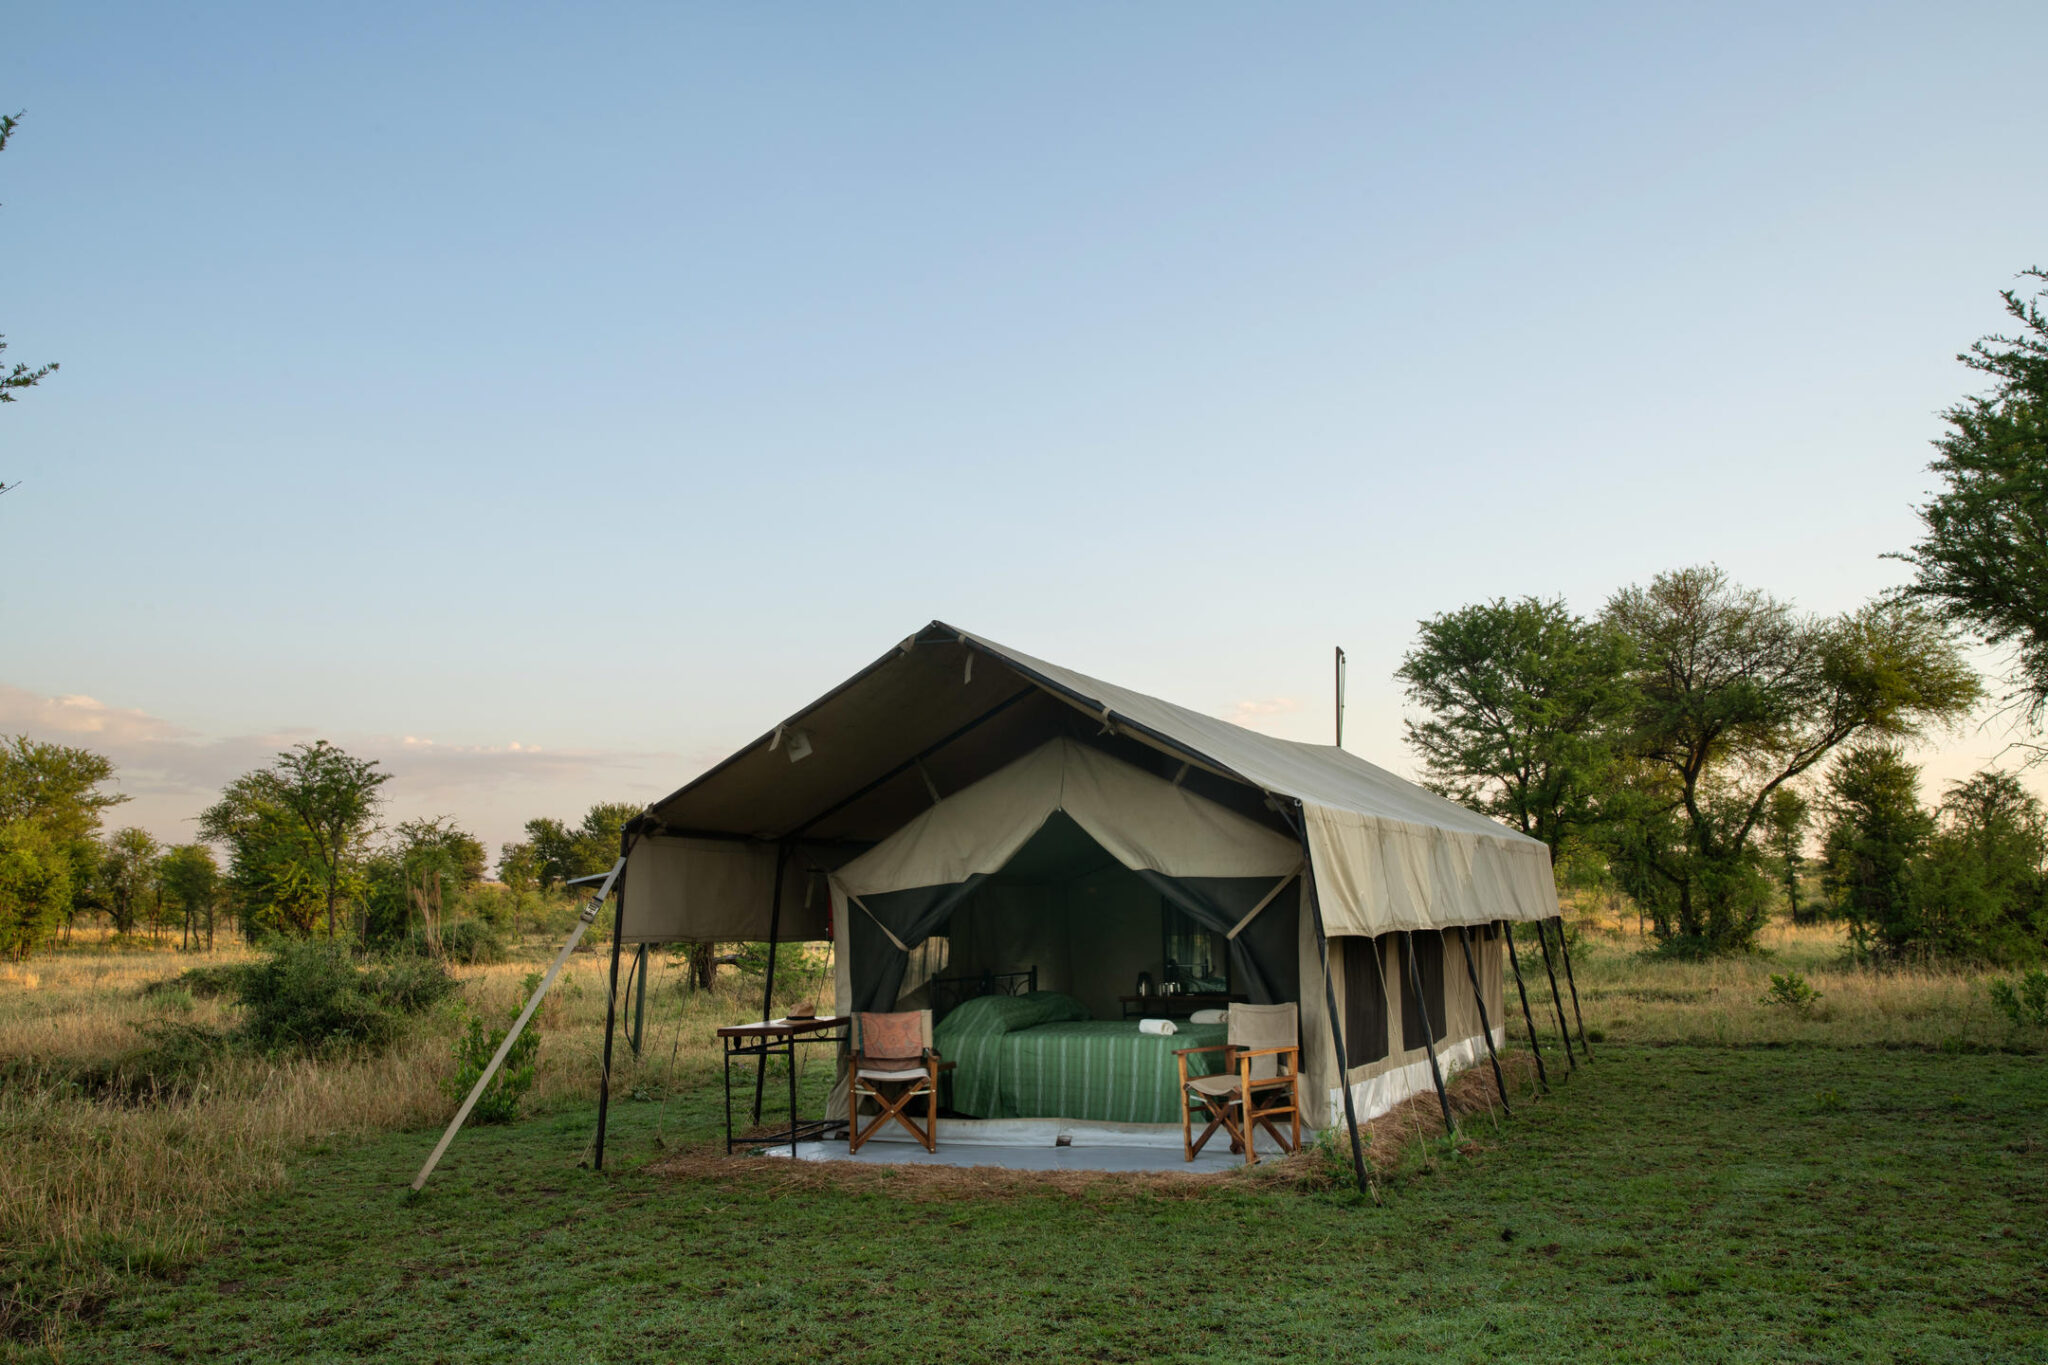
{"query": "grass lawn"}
pixel 1669 1203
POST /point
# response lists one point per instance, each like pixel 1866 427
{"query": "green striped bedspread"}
pixel 1098 1069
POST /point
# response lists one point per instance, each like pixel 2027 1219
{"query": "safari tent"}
pixel 960 818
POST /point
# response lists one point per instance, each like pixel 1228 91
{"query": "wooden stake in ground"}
pixel 583 922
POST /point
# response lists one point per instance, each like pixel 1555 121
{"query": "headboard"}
pixel 949 991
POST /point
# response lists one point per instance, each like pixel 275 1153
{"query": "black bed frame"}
pixel 951 991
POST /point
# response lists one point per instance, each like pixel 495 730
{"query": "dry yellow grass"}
pixel 1720 1002
pixel 104 1186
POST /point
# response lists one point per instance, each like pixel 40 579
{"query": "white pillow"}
pixel 1209 1017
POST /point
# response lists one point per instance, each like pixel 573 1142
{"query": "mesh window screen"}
pixel 1428 947
pixel 1365 1000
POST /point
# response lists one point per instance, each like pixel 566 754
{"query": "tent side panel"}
pixel 1379 1085
pixel 714 891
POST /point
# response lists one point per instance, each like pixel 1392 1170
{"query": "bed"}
pixel 1039 1055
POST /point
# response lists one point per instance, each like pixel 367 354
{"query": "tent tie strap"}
pixel 1265 900
pixel 901 946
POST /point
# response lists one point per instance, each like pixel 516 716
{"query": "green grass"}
pixel 1737 1204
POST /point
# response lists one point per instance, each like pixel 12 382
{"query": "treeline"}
pixel 55 867
pixel 1650 745
pixel 306 854
pixel 1680 745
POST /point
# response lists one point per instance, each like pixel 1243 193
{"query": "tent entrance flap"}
pixel 1086 924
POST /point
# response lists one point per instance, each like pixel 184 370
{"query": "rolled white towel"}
pixel 1209 1017
pixel 1159 1028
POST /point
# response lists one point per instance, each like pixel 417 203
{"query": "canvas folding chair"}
pixel 1260 1083
pixel 893 1064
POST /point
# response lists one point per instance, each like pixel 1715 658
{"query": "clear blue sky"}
pixel 614 379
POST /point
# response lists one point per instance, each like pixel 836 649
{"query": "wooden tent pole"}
pixel 1485 1025
pixel 768 989
pixel 1428 1031
pixel 1565 950
pixel 1508 927
pixel 1315 910
pixel 583 922
pixel 1556 998
pixel 611 1001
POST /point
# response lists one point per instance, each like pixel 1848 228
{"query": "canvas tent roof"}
pixel 946 708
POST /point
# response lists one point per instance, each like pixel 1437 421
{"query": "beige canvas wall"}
pixel 1462 1041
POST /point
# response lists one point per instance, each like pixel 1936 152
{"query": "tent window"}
pixel 1365 1001
pixel 1429 962
pixel 1196 958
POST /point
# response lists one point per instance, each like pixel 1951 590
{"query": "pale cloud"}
pixel 171 773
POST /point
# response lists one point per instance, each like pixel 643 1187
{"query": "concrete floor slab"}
pixel 1046 1157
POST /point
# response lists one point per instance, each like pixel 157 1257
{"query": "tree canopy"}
pixel 1983 560
pixel 21 375
pixel 1520 699
pixel 297 832
pixel 1737 694
pixel 553 852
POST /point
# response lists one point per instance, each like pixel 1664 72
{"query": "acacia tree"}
pixel 1983 562
pixel 1877 833
pixel 57 791
pixel 1786 817
pixel 555 852
pixel 191 882
pixel 315 796
pixel 1522 698
pixel 129 869
pixel 1738 694
pixel 35 887
pixel 21 376
pixel 1984 885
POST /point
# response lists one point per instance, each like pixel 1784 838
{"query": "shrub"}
pixel 474 1048
pixel 175 1052
pixel 309 997
pixel 472 942
pixel 1792 991
pixel 202 983
pixel 2023 1001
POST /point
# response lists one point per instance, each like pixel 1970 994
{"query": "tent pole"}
pixel 1508 927
pixel 1485 1025
pixel 1315 910
pixel 611 1000
pixel 1556 999
pixel 583 922
pixel 639 998
pixel 1565 950
pixel 768 988
pixel 1337 1036
pixel 1428 1032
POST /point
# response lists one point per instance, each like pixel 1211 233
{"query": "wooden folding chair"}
pixel 1259 1085
pixel 893 1064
